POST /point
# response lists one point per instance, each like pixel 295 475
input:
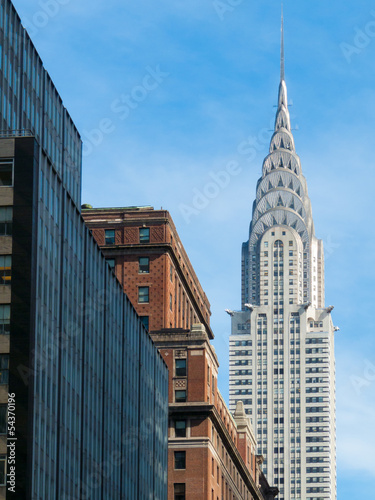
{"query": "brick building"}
pixel 143 246
pixel 211 454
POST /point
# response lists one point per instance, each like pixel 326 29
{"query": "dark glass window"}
pixel 145 321
pixel 5 269
pixel 3 419
pixel 144 235
pixel 180 459
pixel 4 319
pixel 180 396
pixel 179 491
pixel 180 367
pixel 144 265
pixel 6 216
pixel 109 236
pixel 143 294
pixel 4 368
pixel 180 428
pixel 3 460
pixel 6 173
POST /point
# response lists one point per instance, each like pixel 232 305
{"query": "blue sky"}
pixel 202 76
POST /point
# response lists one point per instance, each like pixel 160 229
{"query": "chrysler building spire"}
pixel 282 62
pixel 281 348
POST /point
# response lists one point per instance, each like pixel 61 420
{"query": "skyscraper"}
pixel 88 411
pixel 282 341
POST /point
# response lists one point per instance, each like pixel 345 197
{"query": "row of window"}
pixel 144 236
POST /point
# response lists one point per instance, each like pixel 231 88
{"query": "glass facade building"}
pixel 91 389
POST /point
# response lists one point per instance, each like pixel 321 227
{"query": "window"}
pixel 180 396
pixel 144 235
pixel 109 235
pixel 4 319
pixel 171 272
pixel 4 369
pixel 179 491
pixel 180 428
pixel 3 419
pixel 6 173
pixel 5 269
pixel 3 460
pixel 144 321
pixel 144 265
pixel 111 262
pixel 180 459
pixel 181 367
pixel 6 216
pixel 143 294
pixel 170 302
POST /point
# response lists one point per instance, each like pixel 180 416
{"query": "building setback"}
pixel 90 388
pixel 282 343
pixel 211 453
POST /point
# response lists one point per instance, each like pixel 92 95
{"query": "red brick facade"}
pixel 175 296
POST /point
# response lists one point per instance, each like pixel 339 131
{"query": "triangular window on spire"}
pixel 272 165
pixel 281 165
pixel 268 206
pixel 280 184
pixel 294 225
pixel 274 221
pixel 300 211
pixel 292 204
pixel 285 221
pixel 262 193
pixel 282 143
pixel 280 201
pixel 298 191
pixel 291 185
pixel 270 185
pixel 290 165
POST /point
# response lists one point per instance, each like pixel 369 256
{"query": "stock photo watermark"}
pixel 329 246
pixel 39 20
pixel 211 190
pixel 361 39
pixel 223 7
pixel 367 378
pixel 134 441
pixel 59 340
pixel 122 107
pixel 249 149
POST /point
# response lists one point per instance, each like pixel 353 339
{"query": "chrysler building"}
pixel 282 341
